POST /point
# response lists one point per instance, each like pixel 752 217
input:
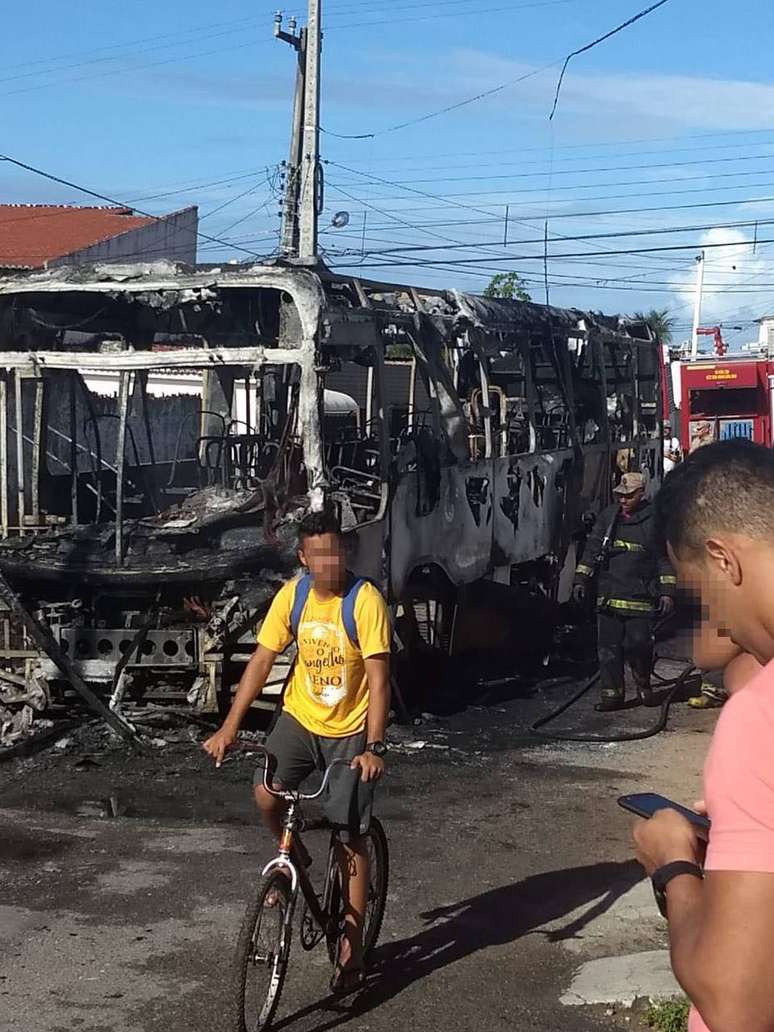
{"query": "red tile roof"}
pixel 33 234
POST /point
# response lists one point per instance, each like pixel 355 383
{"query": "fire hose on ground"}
pixel 670 686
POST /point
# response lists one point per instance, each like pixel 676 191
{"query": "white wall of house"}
pixel 172 237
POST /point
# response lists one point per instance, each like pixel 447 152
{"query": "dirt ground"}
pixel 514 902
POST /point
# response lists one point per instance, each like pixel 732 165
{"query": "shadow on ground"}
pixel 494 918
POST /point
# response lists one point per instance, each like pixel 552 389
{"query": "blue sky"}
pixel 135 99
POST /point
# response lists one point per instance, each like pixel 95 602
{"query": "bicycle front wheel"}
pixel 262 954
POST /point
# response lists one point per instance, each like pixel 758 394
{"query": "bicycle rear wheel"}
pixel 378 880
pixel 262 954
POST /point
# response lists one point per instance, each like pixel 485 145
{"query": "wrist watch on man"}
pixel 377 748
pixel 664 875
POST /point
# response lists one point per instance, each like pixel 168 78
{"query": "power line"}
pixel 120 57
pixel 584 254
pixel 596 42
pixel 129 204
pixel 233 200
pixel 422 193
pixel 484 94
pixel 573 282
pixel 668 230
pixel 507 194
pixel 598 143
pixel 134 68
pixel 448 14
pixel 109 200
pixel 194 29
pixel 421 165
pixel 710 176
pixel 249 215
pixel 380 7
pixel 497 219
pixel 441 111
pixel 389 215
pixel 581 171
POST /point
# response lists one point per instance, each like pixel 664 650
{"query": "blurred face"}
pixel 323 555
pixel 629 502
pixel 732 577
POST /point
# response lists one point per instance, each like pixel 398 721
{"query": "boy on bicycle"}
pixel 336 705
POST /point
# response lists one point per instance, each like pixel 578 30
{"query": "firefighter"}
pixel 634 586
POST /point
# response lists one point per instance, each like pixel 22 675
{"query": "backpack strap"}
pixel 303 587
pixel 348 608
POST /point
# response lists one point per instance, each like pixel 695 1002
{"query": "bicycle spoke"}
pixel 262 955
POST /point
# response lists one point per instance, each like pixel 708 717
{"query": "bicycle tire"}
pixel 247 1017
pixel 378 882
pixel 335 916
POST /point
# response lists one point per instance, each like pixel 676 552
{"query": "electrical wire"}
pixel 584 254
pixel 129 43
pixel 627 143
pixel 421 164
pixel 710 176
pixel 660 231
pixel 601 39
pixel 594 214
pixel 134 68
pixel 424 193
pixel 444 110
pixel 103 197
pixel 233 200
pixel 492 91
pixel 475 12
pixel 241 25
pixel 577 171
pixel 380 7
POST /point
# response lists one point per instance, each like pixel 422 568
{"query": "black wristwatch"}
pixel 663 876
pixel 377 748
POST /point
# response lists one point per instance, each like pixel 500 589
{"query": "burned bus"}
pixel 164 428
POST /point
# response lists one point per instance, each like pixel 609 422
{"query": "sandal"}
pixel 347 979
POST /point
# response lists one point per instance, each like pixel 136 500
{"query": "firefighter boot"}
pixel 609 701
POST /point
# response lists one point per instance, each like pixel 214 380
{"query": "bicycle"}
pixel 263 947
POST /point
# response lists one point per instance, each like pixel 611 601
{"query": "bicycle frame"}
pixel 284 861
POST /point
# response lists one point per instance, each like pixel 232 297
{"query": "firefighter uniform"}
pixel 632 576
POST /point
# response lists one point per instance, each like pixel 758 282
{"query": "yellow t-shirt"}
pixel 328 690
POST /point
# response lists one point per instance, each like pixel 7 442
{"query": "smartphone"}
pixel 645 804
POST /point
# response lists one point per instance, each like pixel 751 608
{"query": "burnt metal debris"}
pixel 163 428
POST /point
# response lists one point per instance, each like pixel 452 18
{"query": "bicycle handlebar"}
pixel 283 794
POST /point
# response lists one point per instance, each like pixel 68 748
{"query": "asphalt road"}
pixel 511 870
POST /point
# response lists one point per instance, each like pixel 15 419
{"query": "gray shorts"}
pixel 347 801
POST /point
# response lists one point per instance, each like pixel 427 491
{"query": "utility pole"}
pixel 289 243
pixel 311 172
pixel 697 305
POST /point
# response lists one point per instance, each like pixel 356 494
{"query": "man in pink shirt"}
pixel 717 514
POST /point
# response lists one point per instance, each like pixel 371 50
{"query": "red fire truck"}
pixel 714 398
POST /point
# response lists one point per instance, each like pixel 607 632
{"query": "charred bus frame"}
pixel 487 430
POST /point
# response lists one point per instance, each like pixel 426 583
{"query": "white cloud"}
pixel 732 265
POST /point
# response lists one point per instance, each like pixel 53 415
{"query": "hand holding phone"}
pixel 645 804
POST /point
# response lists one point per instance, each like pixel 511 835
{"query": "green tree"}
pixel 508 285
pixel 661 322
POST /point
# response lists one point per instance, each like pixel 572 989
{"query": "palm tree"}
pixel 661 322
